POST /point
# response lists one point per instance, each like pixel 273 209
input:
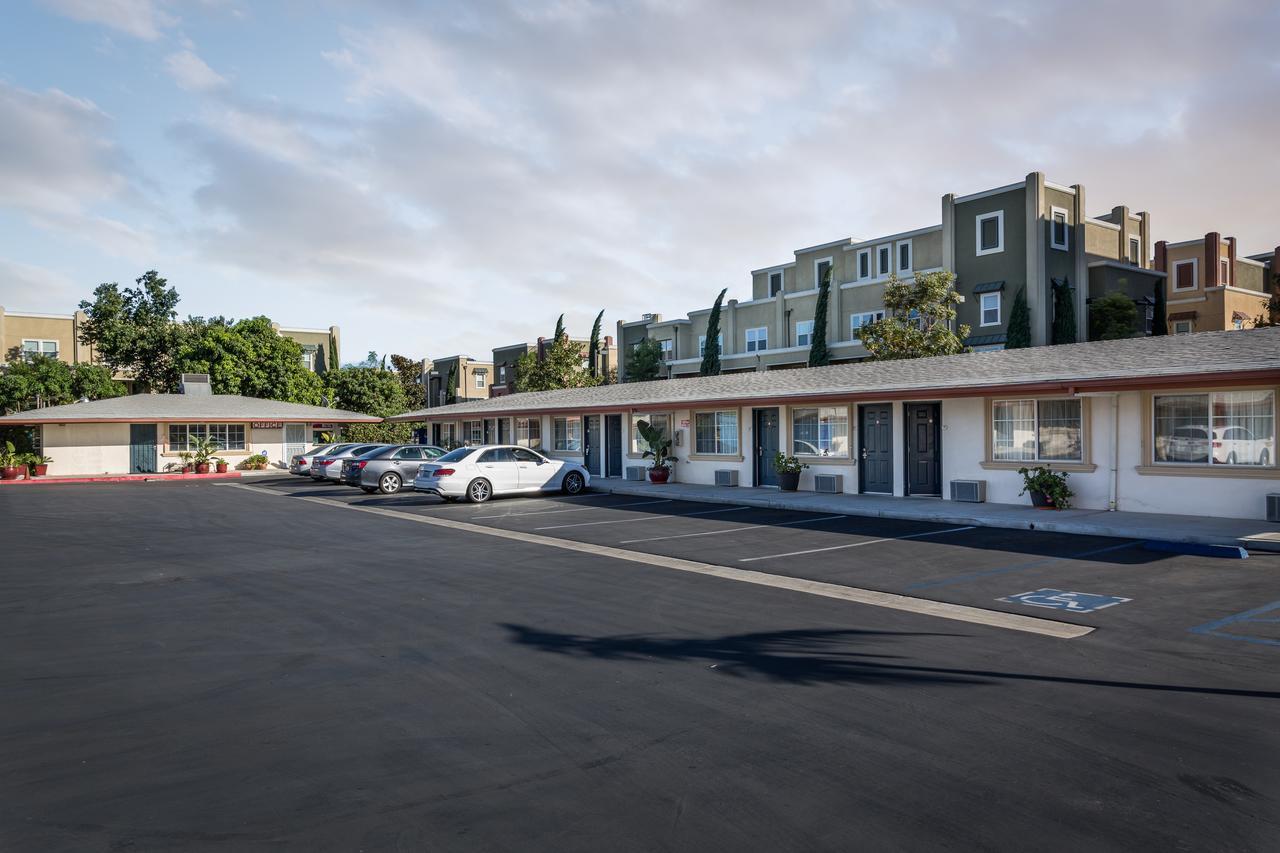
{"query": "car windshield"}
pixel 457 455
pixel 376 452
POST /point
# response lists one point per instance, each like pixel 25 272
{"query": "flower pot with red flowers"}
pixel 657 446
pixel 220 466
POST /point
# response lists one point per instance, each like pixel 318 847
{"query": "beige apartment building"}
pixel 506 358
pixel 1211 287
pixel 472 379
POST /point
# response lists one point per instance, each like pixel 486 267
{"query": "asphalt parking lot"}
pixel 208 667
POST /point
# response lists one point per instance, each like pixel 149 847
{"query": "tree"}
pixel 558 366
pixel 593 348
pixel 133 331
pixel 918 319
pixel 409 372
pixel 560 332
pixel 819 354
pixel 1019 336
pixel 1112 317
pixel 370 391
pixel 711 351
pixel 451 385
pixel 248 357
pixel 332 363
pixel 1064 313
pixel 1160 311
pixel 42 380
pixel 94 382
pixel 1270 315
pixel 645 363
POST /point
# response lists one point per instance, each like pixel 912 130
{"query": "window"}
pixel 521 455
pixel 864 264
pixel 481 377
pixel 857 321
pixel 775 283
pixel 1225 277
pixel 883 254
pixel 497 454
pixel 502 374
pixel 473 432
pixel 1182 327
pixel 39 347
pixel 991 309
pixel 990 232
pixel 715 432
pixel 408 453
pixel 567 434
pixel 1037 431
pixel 821 269
pixel 228 436
pixel 668 347
pixel 1058 232
pixel 529 432
pixel 657 421
pixel 1237 324
pixel 309 358
pixel 804 333
pixel 448 435
pixel 1218 428
pixel 1184 274
pixel 820 432
pixel 702 343
pixel 904 257
pixel 757 339
pixel 1135 251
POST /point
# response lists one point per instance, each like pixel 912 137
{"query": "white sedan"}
pixel 479 473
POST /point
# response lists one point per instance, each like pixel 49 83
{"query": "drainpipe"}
pixel 1113 502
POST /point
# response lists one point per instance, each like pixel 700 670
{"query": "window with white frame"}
pixel 1184 274
pixel 1037 431
pixel 667 346
pixel 702 344
pixel 448 435
pixel 39 347
pixel 821 269
pixel 904 258
pixel 1059 234
pixel 1237 323
pixel 864 264
pixel 473 432
pixel 820 431
pixel 865 318
pixel 567 434
pixel 715 433
pixel 804 333
pixel 1182 327
pixel 884 257
pixel 1224 278
pixel 657 420
pixel 309 359
pixel 991 309
pixel 1135 251
pixel 502 374
pixel 757 339
pixel 989 232
pixel 481 377
pixel 775 282
pixel 184 436
pixel 529 432
pixel 1214 428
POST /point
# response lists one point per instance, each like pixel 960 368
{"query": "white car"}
pixel 479 473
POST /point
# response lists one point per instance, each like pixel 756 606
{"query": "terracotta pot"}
pixel 222 467
pixel 659 475
pixel 788 481
pixel 202 467
pixel 10 472
pixel 186 469
pixel 41 470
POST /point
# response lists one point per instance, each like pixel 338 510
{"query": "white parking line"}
pixel 575 509
pixel 734 529
pixel 629 520
pixel 870 597
pixel 854 544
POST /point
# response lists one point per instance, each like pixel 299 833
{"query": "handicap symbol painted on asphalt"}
pixel 1058 599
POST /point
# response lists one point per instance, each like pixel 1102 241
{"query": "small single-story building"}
pixel 145 433
pixel 1182 424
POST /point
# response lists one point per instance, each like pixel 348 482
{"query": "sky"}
pixel 448 177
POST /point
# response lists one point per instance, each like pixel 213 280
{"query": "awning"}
pixel 989 287
pixel 1182 315
pixel 1240 315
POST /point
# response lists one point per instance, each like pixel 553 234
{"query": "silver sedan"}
pixel 329 466
pixel 387 469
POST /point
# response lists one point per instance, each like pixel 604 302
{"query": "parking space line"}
pixel 1020 567
pixel 575 509
pixel 1215 628
pixel 855 544
pixel 734 529
pixel 630 520
pixel 870 597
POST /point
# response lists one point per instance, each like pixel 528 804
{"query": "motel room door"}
pixel 142 448
pixel 765 440
pixel 875 449
pixel 924 448
pixel 591 444
pixel 295 440
pixel 613 445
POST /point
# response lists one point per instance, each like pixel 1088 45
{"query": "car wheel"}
pixel 389 483
pixel 479 491
pixel 573 483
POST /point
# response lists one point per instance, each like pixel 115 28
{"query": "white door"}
pixel 295 440
pixel 498 466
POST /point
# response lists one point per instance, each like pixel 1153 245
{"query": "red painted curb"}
pixel 122 478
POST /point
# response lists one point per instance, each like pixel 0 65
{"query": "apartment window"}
pixel 481 377
pixel 864 264
pixel 804 333
pixel 567 434
pixel 715 433
pixel 883 255
pixel 1037 431
pixel 702 343
pixel 1225 278
pixel 904 258
pixel 1059 236
pixel 757 339
pixel 1182 327
pixel 529 432
pixel 473 432
pixel 1184 275
pixel 990 232
pixel 667 347
pixel 991 309
pixel 655 420
pixel 502 374
pixel 1237 324
pixel 857 321
pixel 775 283
pixel 820 431
pixel 39 347
pixel 1217 428
pixel 1135 251
pixel 309 358
pixel 184 436
pixel 821 269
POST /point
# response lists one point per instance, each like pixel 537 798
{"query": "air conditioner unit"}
pixel 828 484
pixel 969 491
pixel 634 472
pixel 727 477
pixel 1273 507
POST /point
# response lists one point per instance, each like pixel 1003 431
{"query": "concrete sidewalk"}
pixel 1248 533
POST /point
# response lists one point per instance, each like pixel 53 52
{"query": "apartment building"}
pixel 471 379
pixel 1210 287
pixel 506 358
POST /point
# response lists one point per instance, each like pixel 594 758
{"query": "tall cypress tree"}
pixel 1019 336
pixel 559 329
pixel 1160 313
pixel 819 355
pixel 711 352
pixel 333 356
pixel 451 390
pixel 593 349
pixel 1064 314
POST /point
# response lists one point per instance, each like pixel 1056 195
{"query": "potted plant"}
pixel 203 447
pixel 788 468
pixel 221 465
pixel 1048 488
pixel 659 450
pixel 10 462
pixel 39 465
pixel 185 456
pixel 256 462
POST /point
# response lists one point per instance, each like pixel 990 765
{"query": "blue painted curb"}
pixel 1198 549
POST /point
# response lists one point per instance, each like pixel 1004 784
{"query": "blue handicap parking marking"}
pixel 1060 599
pixel 1235 627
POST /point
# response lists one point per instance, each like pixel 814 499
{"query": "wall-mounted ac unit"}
pixel 828 484
pixel 634 472
pixel 727 477
pixel 970 491
pixel 1273 507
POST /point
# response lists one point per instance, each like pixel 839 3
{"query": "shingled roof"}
pixel 148 408
pixel 1098 365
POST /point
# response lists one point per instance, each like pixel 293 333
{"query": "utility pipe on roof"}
pixel 1113 502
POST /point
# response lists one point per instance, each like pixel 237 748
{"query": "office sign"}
pixel 267 425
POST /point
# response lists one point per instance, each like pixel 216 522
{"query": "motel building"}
pixel 1180 424
pixel 145 433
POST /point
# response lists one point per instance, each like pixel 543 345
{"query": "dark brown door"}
pixel 924 453
pixel 875 449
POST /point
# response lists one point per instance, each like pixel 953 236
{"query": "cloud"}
pixel 142 19
pixel 191 72
pixel 21 283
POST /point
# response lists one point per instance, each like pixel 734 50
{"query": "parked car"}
pixel 301 462
pixel 479 473
pixel 1237 445
pixel 387 469
pixel 328 466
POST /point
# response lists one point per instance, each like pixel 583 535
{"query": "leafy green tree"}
pixel 918 318
pixel 1112 317
pixel 248 357
pixel 593 349
pixel 451 385
pixel 819 354
pixel 1064 313
pixel 94 382
pixel 560 332
pixel 711 352
pixel 559 366
pixel 133 331
pixel 38 380
pixel 1160 312
pixel 370 391
pixel 645 362
pixel 409 372
pixel 1270 315
pixel 1019 336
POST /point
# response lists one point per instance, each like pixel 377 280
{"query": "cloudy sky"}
pixel 442 177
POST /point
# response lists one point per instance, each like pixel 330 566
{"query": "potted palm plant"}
pixel 203 447
pixel 788 468
pixel 10 462
pixel 659 450
pixel 220 465
pixel 185 456
pixel 39 465
pixel 1048 488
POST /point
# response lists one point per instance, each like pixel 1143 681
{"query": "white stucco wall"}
pixel 87 449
